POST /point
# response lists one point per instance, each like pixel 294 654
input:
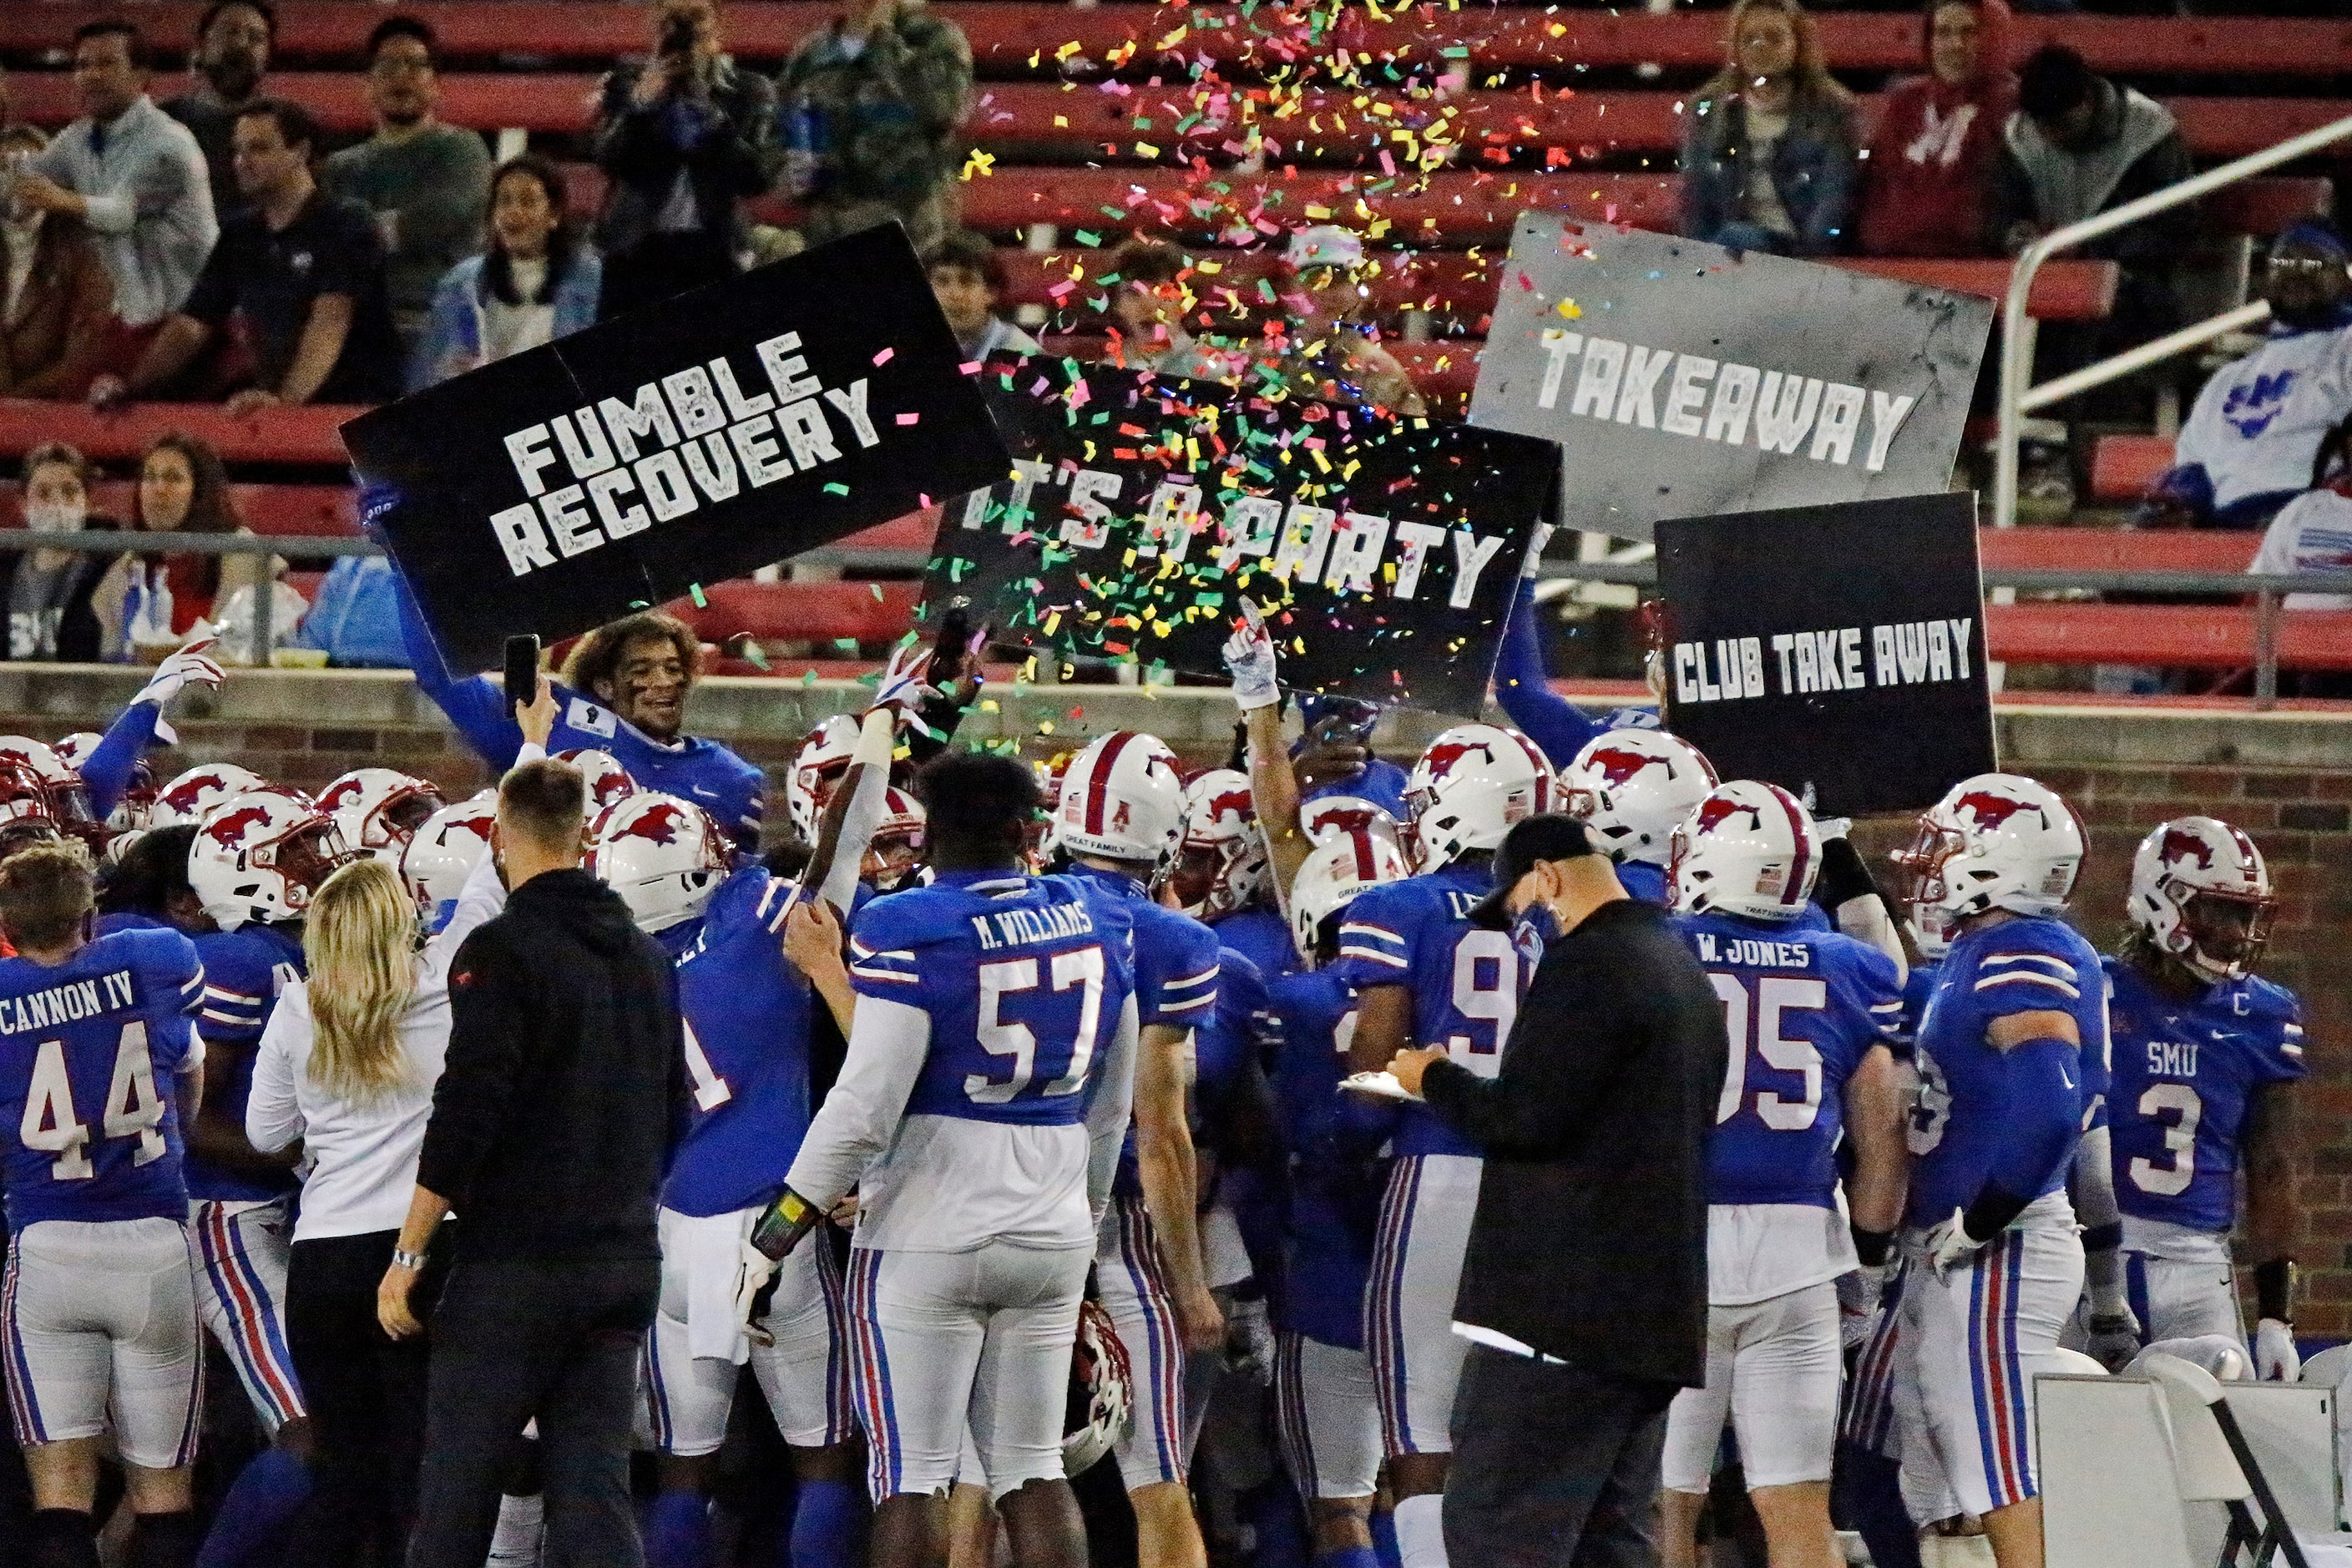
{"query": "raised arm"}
pixel 1274 787
pixel 1558 727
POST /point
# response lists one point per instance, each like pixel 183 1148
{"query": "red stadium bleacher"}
pixel 2207 636
pixel 2124 468
pixel 816 613
pixel 305 435
pixel 2116 550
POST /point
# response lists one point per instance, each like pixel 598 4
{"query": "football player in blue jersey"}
pixel 747 1012
pixel 105 765
pixel 1219 877
pixel 1809 1014
pixel 1632 788
pixel 623 691
pixel 1333 755
pixel 98 1329
pixel 1325 1411
pixel 2008 1055
pixel 979 1113
pixel 2205 1051
pixel 1118 817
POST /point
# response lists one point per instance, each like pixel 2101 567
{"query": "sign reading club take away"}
pixel 1838 649
pixel 699 440
pixel 1383 552
pixel 1682 380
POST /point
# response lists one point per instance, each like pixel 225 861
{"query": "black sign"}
pixel 1383 552
pixel 1835 649
pixel 693 442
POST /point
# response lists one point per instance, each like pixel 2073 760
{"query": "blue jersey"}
pixel 2185 1075
pixel 1260 934
pixel 244 971
pixel 1228 1037
pixel 88 1052
pixel 1465 982
pixel 747 1013
pixel 690 768
pixel 1381 783
pixel 1335 1182
pixel 2019 965
pixel 1175 956
pixel 1646 882
pixel 1917 986
pixel 1802 1008
pixel 1023 979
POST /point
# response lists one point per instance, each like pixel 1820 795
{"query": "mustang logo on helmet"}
pixel 345 791
pixel 1617 765
pixel 1990 810
pixel 2180 846
pixel 659 822
pixel 1440 759
pixel 226 829
pixel 192 788
pixel 1715 810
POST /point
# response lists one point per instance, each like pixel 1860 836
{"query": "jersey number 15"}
pixel 1754 1026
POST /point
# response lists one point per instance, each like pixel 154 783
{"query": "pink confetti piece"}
pixel 883 357
pixel 970 367
pixel 909 418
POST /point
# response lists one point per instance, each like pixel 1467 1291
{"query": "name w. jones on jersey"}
pixel 65 1004
pixel 1014 927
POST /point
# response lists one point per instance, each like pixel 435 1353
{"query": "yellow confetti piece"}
pixel 979 163
pixel 1567 307
pixel 1145 149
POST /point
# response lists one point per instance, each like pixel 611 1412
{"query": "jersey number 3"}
pixel 134 1108
pixel 2186 1110
pixel 1755 1030
pixel 1002 1036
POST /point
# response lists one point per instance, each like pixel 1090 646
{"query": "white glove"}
pixel 1534 568
pixel 1949 1245
pixel 192 665
pixel 2275 1358
pixel 902 686
pixel 1859 1291
pixel 1249 1337
pixel 2113 1334
pixel 1249 654
pixel 753 1268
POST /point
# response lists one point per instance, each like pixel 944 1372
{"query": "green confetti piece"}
pixel 835 487
pixel 695 590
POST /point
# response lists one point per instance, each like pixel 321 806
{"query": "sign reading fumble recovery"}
pixel 1383 552
pixel 1681 380
pixel 1839 649
pixel 690 443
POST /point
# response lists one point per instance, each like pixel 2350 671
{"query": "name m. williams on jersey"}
pixel 1013 928
pixel 66 1004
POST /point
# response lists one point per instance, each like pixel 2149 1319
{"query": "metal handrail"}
pixel 2017 327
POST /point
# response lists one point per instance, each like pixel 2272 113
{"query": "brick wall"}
pixel 2301 815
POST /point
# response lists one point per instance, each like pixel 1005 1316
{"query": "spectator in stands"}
pixel 1768 155
pixel 135 176
pixel 871 104
pixel 234 38
pixel 686 137
pixel 1147 309
pixel 2248 447
pixel 1330 353
pixel 2313 532
pixel 1927 176
pixel 424 182
pixel 49 591
pixel 304 271
pixel 55 297
pixel 150 601
pixel 968 279
pixel 537 282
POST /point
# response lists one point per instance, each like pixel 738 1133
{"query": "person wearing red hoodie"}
pixel 1929 170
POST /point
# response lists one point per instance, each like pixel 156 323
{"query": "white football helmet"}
pixel 1222 861
pixel 2189 878
pixel 1633 788
pixel 1123 799
pixel 26 816
pixel 1328 814
pixel 897 841
pixel 440 856
pixel 377 810
pixel 664 856
pixel 134 808
pixel 1996 841
pixel 1098 1369
pixel 1469 787
pixel 1747 849
pixel 259 856
pixel 190 796
pixel 817 767
pixel 608 782
pixel 1338 869
pixel 68 802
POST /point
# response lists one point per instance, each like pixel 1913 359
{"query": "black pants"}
pixel 660 266
pixel 1554 1466
pixel 366 1395
pixel 555 1338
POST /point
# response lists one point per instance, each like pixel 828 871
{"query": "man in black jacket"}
pixel 550 1127
pixel 1584 1289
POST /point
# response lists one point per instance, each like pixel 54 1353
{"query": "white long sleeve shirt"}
pixel 363 1156
pixel 148 204
pixel 2312 534
pixel 951 1183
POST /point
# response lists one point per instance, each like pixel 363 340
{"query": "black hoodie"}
pixel 554 1120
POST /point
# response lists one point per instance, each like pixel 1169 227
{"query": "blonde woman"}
pixel 347 1066
pixel 1769 147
